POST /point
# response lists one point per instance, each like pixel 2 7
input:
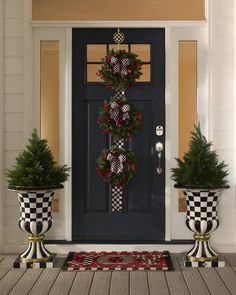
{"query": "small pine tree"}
pixel 36 167
pixel 200 167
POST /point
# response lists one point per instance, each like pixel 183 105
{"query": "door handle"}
pixel 159 149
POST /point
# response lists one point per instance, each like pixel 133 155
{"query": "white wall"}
pixel 13 97
pixel 17 108
pixel 1 120
pixel 222 112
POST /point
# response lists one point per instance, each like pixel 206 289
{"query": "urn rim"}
pixel 201 187
pixel 35 188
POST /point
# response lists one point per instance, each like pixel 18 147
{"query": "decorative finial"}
pixel 118 37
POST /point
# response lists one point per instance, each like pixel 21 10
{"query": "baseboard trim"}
pixel 121 242
pixel 63 249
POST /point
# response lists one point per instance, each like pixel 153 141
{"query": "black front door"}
pixel 143 216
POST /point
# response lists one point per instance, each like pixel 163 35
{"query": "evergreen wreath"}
pixel 119 117
pixel 200 167
pixel 116 166
pixel 120 69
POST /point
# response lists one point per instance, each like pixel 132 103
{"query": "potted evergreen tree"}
pixel 202 178
pixel 35 178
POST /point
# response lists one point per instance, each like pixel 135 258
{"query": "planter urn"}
pixel 35 219
pixel 202 219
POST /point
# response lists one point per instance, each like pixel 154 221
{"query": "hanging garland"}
pixel 119 117
pixel 116 166
pixel 120 69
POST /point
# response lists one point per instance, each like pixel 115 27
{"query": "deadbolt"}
pixel 159 130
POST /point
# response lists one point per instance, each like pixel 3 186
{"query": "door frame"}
pixel 173 31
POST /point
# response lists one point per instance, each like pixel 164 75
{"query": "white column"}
pixel 27 11
pixel 234 107
pixel 14 81
pixel 1 123
pixel 222 107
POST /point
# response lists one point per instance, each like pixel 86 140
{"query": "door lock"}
pixel 159 130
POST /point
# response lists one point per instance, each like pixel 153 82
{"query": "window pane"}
pixel 95 52
pixel 120 46
pixel 146 76
pixel 92 70
pixel 49 89
pixel 187 98
pixel 142 50
pixel 49 98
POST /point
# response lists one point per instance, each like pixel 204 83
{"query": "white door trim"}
pixel 178 229
pixel 175 228
pixel 118 24
pixel 62 228
pixel 2 126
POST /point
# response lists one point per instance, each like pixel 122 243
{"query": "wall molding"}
pixel 62 250
pixel 120 24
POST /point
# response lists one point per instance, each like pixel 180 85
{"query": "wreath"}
pixel 116 166
pixel 120 69
pixel 119 117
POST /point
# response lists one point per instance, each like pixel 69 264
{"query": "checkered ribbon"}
pixel 116 163
pixel 117 193
pixel 119 113
pixel 120 66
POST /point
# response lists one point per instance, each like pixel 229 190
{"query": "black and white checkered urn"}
pixel 201 218
pixel 35 219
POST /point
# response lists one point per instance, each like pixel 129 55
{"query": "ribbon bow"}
pixel 115 113
pixel 120 66
pixel 116 163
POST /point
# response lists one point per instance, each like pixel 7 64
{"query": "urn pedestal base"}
pixel 201 251
pixel 202 254
pixel 36 255
pixel 214 263
pixel 36 251
pixel 18 263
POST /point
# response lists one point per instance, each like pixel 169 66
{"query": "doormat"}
pixel 82 261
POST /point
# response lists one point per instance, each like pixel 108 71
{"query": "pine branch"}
pixel 36 167
pixel 200 165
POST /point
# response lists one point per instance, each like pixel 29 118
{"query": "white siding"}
pixel 1 126
pixel 14 9
pixel 13 82
pixel 222 113
pixel 17 109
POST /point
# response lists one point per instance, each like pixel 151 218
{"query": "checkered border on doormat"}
pixel 90 256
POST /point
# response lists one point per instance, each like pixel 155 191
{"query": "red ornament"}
pixel 132 166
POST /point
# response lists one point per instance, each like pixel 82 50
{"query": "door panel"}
pixel 95 202
pixel 143 217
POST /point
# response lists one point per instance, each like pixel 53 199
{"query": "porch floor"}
pixel 181 281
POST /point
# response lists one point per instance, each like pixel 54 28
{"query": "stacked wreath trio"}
pixel 118 116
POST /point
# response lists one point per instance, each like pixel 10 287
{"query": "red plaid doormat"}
pixel 118 261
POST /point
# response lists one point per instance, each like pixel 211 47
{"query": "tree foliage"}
pixel 200 166
pixel 36 167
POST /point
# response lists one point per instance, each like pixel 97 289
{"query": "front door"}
pixel 142 218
